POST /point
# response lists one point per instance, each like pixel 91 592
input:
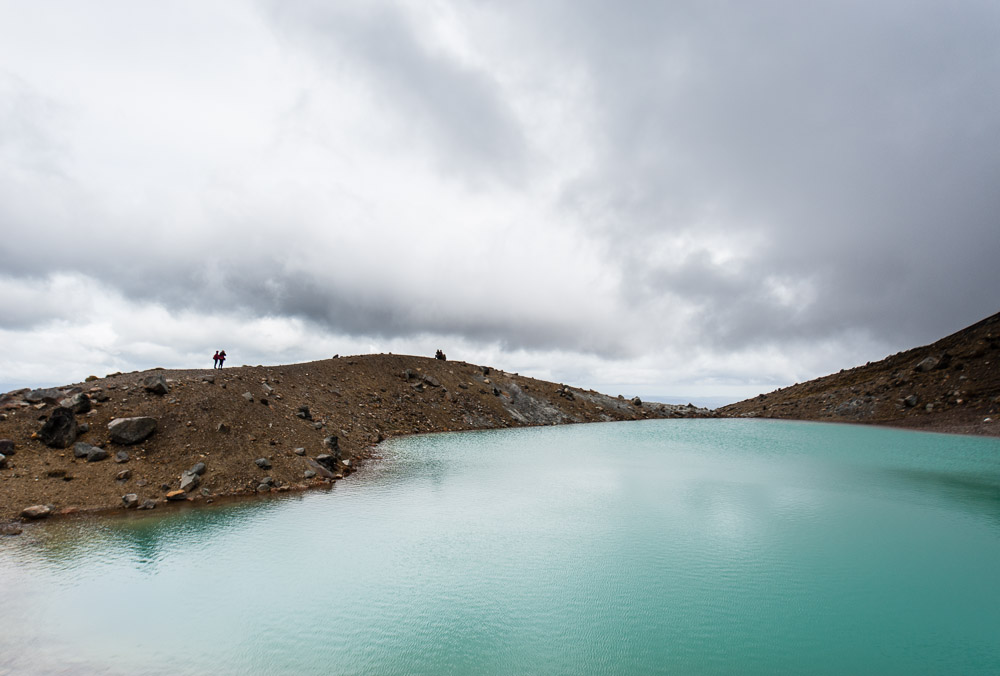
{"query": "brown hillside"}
pixel 952 385
pixel 208 417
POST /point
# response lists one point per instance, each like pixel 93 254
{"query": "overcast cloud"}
pixel 700 199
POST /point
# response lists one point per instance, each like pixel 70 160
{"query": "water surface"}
pixel 687 546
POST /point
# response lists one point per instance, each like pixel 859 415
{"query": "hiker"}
pixel 222 357
pixel 215 360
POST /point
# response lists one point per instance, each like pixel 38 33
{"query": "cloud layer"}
pixel 675 198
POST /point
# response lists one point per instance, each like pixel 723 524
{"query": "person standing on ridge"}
pixel 215 360
pixel 222 357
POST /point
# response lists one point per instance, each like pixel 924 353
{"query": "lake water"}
pixel 682 546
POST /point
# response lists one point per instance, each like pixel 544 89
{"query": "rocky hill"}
pixel 952 385
pixel 144 438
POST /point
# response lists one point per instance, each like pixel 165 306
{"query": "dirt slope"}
pixel 952 385
pixel 229 418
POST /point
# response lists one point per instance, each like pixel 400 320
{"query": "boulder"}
pixel 130 500
pixel 263 463
pixel 156 384
pixel 131 430
pixel 78 403
pixel 7 447
pixel 60 430
pixel 36 512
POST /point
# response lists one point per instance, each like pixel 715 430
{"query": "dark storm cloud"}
pixel 858 139
pixel 468 124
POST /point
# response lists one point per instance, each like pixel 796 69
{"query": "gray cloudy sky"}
pixel 689 198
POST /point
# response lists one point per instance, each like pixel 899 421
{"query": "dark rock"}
pixel 121 456
pixel 131 430
pixel 148 503
pixel 36 512
pixel 56 473
pixel 926 365
pixel 176 495
pixel 101 396
pixel 269 481
pixel 96 454
pixel 432 381
pixel 309 474
pixel 81 449
pixel 123 475
pixel 264 401
pixel 156 384
pixel 263 488
pixel 303 412
pixel 911 401
pixel 82 428
pixel 636 401
pixel 222 428
pixel 319 469
pixel 49 396
pixel 486 370
pixel 332 443
pixel 60 430
pixel 130 500
pixel 3 461
pixel 208 379
pixel 6 447
pixel 199 468
pixel 78 403
pixel 263 463
pixel 496 392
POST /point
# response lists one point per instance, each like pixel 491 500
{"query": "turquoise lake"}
pixel 659 547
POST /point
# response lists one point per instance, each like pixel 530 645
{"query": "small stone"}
pixel 208 379
pixel 264 401
pixel 176 495
pixel 268 390
pixel 926 365
pixel 123 475
pixel 190 481
pixel 910 401
pixel 3 461
pixel 82 449
pixel 10 528
pixel 121 456
pixel 222 428
pixel 304 413
pixel 199 468
pixel 7 447
pixel 299 451
pixel 83 428
pixel 309 474
pixel 263 463
pixel 96 454
pixel 36 512
pixel 248 396
pixel 263 488
pixel 78 403
pixel 130 500
pixel 148 503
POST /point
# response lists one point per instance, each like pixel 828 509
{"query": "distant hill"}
pixel 952 385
